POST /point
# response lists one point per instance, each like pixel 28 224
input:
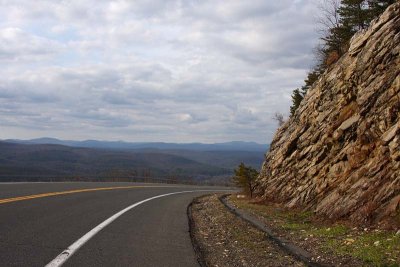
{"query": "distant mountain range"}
pixel 228 146
pixel 39 159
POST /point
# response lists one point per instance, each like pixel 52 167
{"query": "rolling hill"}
pixel 227 146
pixel 32 161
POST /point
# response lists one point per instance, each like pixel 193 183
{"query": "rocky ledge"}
pixel 339 155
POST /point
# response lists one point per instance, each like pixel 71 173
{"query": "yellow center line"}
pixel 14 199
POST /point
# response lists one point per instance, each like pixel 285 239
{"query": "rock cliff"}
pixel 339 155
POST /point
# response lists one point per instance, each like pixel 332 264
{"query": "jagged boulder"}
pixel 339 155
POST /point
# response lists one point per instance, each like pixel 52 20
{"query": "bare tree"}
pixel 329 17
pixel 327 20
pixel 279 118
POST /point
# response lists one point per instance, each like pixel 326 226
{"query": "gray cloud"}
pixel 156 70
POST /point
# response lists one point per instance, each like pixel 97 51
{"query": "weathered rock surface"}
pixel 339 155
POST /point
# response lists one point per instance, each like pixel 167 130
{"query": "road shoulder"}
pixel 222 239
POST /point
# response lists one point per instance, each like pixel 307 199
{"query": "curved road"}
pixel 35 231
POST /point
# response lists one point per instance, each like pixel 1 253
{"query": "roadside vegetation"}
pixel 245 178
pixel 334 243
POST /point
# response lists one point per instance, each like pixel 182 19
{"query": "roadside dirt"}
pixel 329 243
pixel 225 240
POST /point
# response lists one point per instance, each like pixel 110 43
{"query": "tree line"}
pixel 338 22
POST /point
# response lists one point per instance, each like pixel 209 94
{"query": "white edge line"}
pixel 63 256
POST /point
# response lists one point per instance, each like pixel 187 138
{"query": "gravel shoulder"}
pixel 222 239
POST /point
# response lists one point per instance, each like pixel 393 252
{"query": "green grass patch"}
pixel 380 249
pixel 295 226
pixel 299 216
pixel 333 231
pixel 375 249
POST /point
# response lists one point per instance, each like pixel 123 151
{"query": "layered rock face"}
pixel 339 155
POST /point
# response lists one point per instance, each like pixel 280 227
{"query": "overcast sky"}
pixel 161 70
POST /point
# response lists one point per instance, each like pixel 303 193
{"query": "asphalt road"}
pixel 34 231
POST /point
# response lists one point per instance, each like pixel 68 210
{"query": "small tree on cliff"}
pixel 297 97
pixel 245 177
pixel 279 118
